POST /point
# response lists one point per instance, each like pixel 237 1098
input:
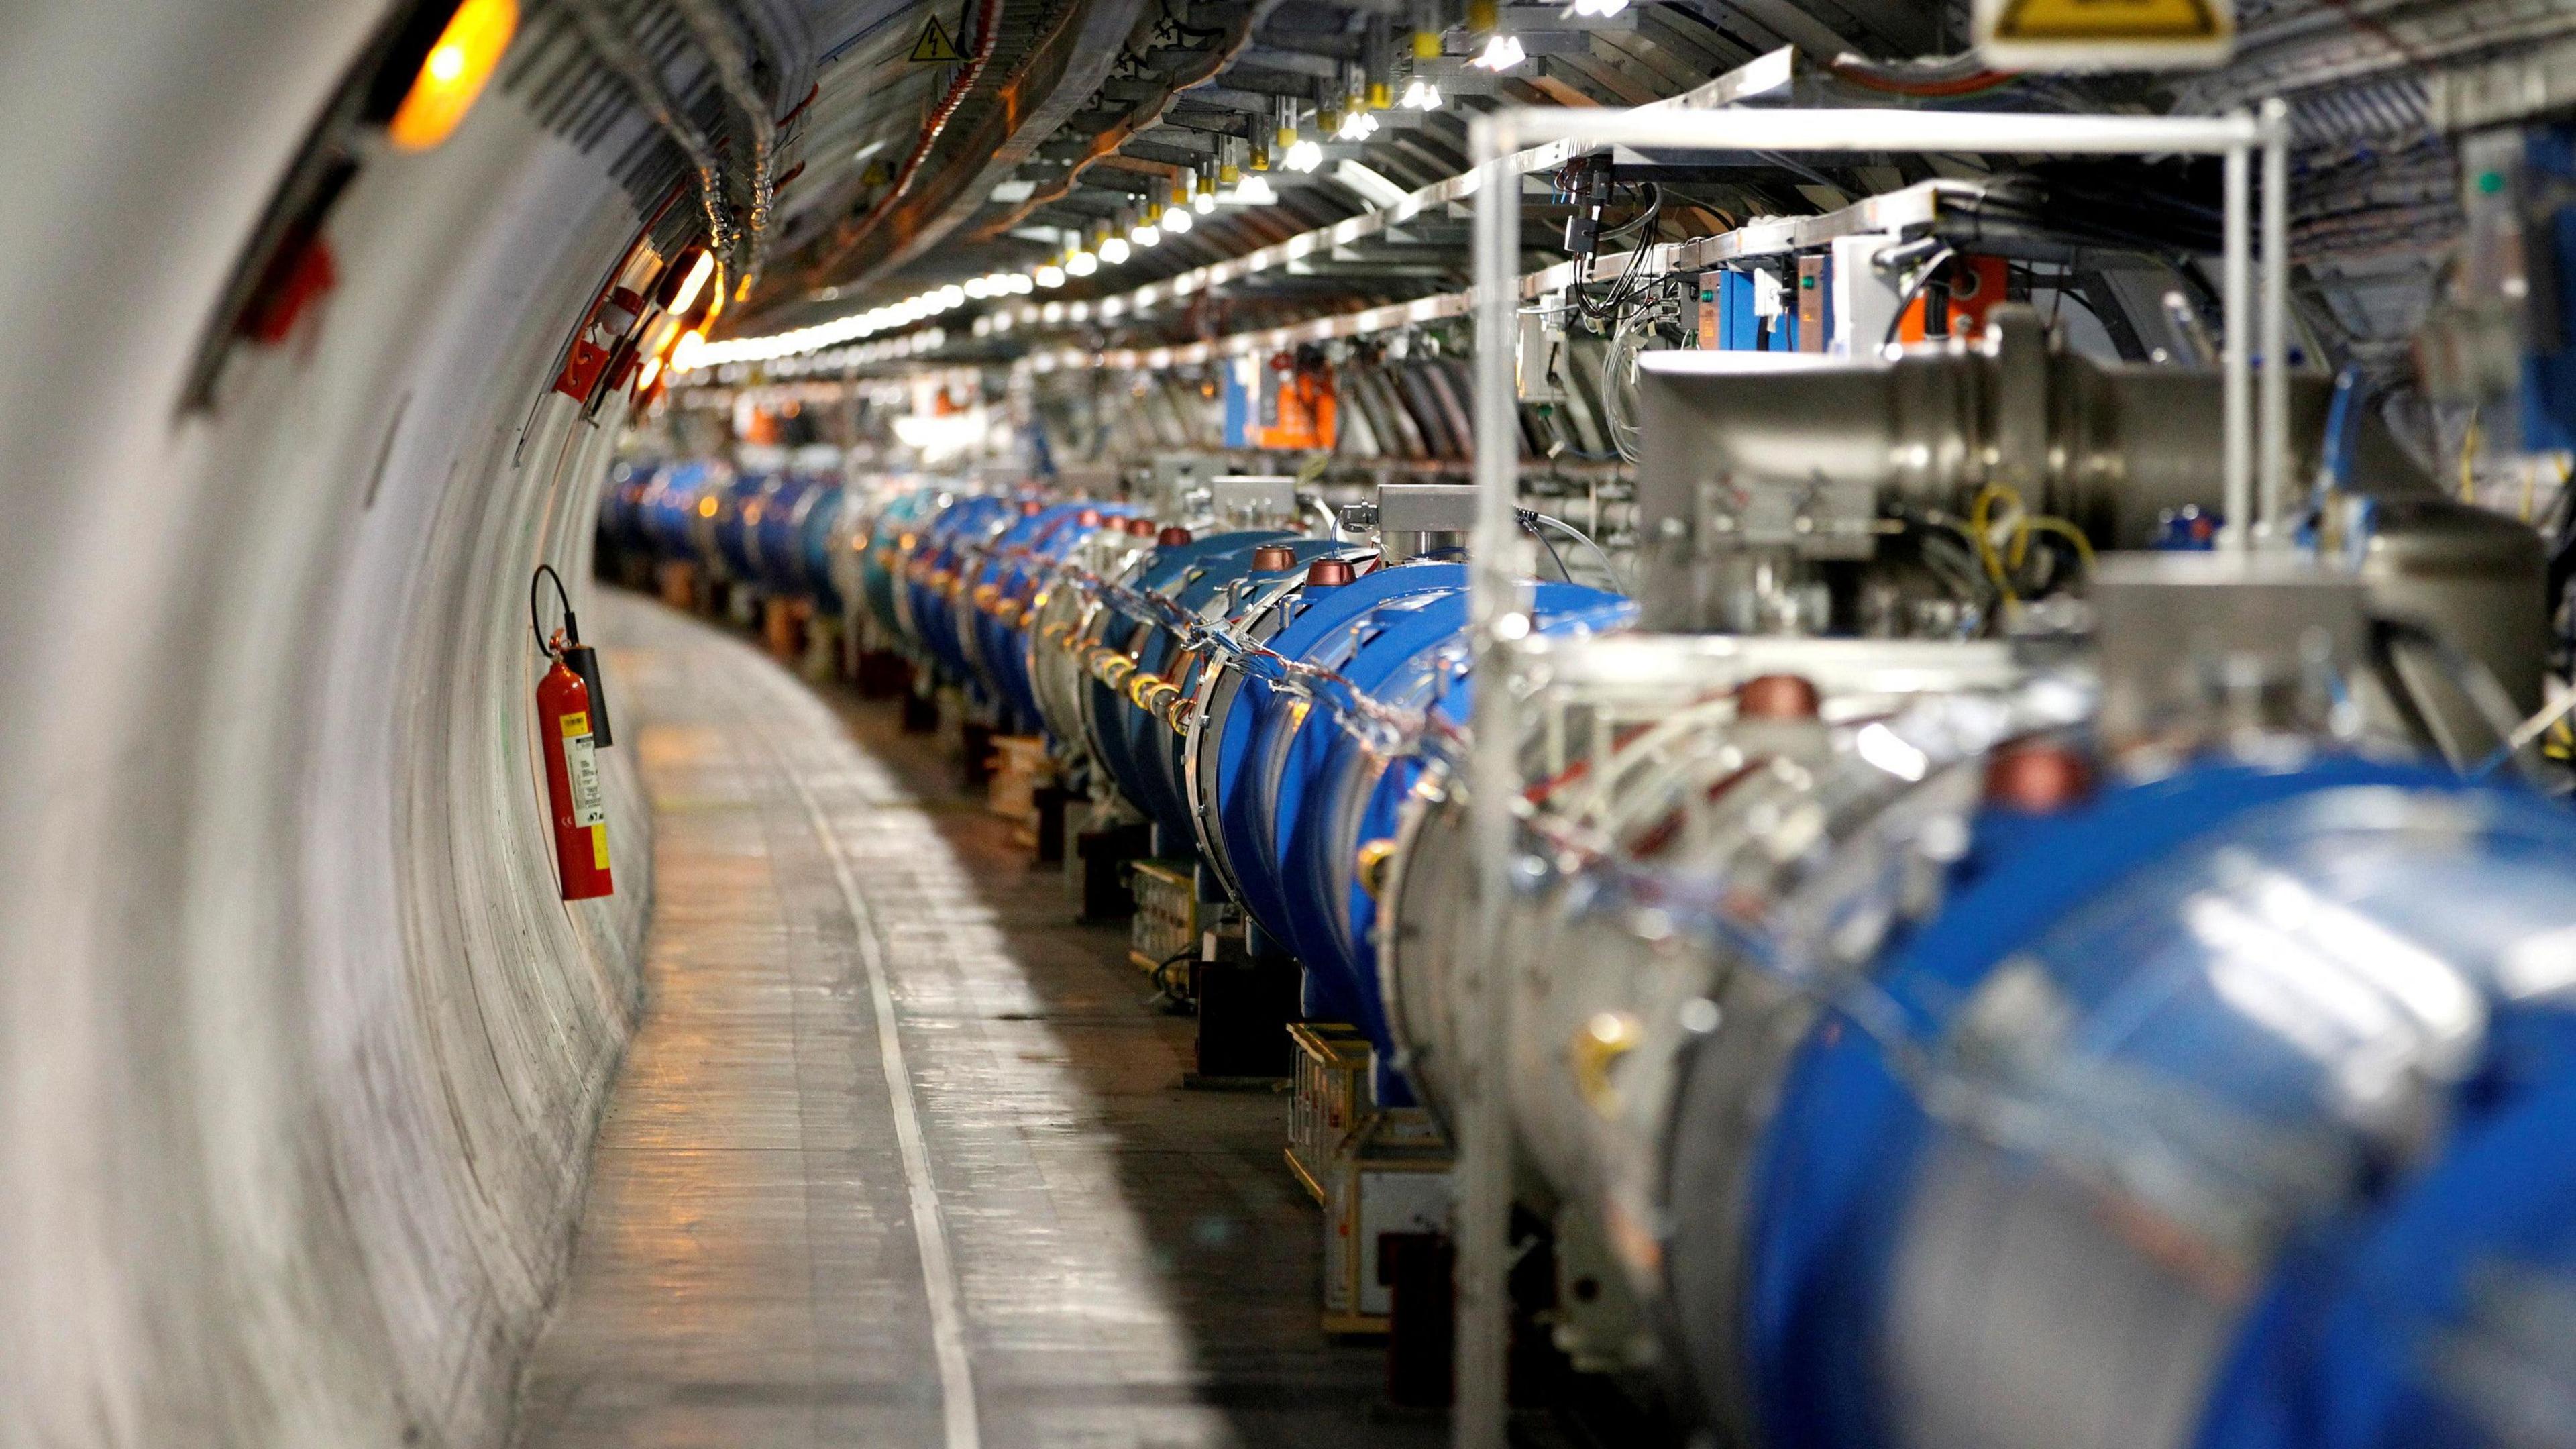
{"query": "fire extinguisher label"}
pixel 581 762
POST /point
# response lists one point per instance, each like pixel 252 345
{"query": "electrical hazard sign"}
pixel 936 46
pixel 2097 35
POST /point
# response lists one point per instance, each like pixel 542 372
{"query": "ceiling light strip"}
pixel 1760 76
pixel 1908 210
pixel 1763 75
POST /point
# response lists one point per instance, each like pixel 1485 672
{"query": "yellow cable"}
pixel 1980 516
pixel 2001 565
pixel 2468 453
pixel 2042 523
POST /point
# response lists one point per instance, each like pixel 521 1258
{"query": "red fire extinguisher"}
pixel 572 721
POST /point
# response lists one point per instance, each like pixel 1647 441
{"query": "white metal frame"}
pixel 1500 613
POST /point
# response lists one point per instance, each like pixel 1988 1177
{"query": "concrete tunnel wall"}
pixel 300 1056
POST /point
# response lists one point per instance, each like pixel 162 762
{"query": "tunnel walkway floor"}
pixel 899 1155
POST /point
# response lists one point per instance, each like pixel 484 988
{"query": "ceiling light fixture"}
pixel 463 57
pixel 692 282
pixel 1500 54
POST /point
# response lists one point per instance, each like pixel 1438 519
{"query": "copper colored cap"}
pixel 1088 518
pixel 1172 537
pixel 1328 573
pixel 1273 558
pixel 1776 696
pixel 1030 508
pixel 1140 527
pixel 2037 776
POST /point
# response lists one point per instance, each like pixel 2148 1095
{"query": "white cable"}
pixel 2538 725
pixel 1600 555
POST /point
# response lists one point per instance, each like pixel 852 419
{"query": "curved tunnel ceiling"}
pixel 836 168
pixel 891 174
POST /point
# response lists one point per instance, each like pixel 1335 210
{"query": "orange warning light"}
pixel 693 281
pixel 467 53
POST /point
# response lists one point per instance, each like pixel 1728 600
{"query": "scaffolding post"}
pixel 2235 352
pixel 1483 1224
pixel 2274 122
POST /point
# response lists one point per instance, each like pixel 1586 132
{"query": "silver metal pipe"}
pixel 2276 320
pixel 1869 129
pixel 1484 1172
pixel 602 31
pixel 2237 466
pixel 713 31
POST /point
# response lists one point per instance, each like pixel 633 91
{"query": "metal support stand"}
pixel 1052 801
pixel 1102 856
pixel 2276 321
pixel 1502 620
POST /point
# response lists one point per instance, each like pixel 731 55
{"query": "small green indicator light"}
pixel 2490 182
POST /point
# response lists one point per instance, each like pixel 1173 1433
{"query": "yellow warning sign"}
pixel 2107 20
pixel 935 47
pixel 2090 35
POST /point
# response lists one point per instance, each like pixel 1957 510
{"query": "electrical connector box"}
pixel 1539 369
pixel 1253 500
pixel 1864 299
pixel 1414 519
pixel 1391 1177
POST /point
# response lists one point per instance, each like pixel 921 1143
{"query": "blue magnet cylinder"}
pixel 2220 1069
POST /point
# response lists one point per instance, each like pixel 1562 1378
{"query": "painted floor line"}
pixel 929 1226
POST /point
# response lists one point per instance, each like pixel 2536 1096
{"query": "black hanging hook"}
pixel 572 626
pixel 578 657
